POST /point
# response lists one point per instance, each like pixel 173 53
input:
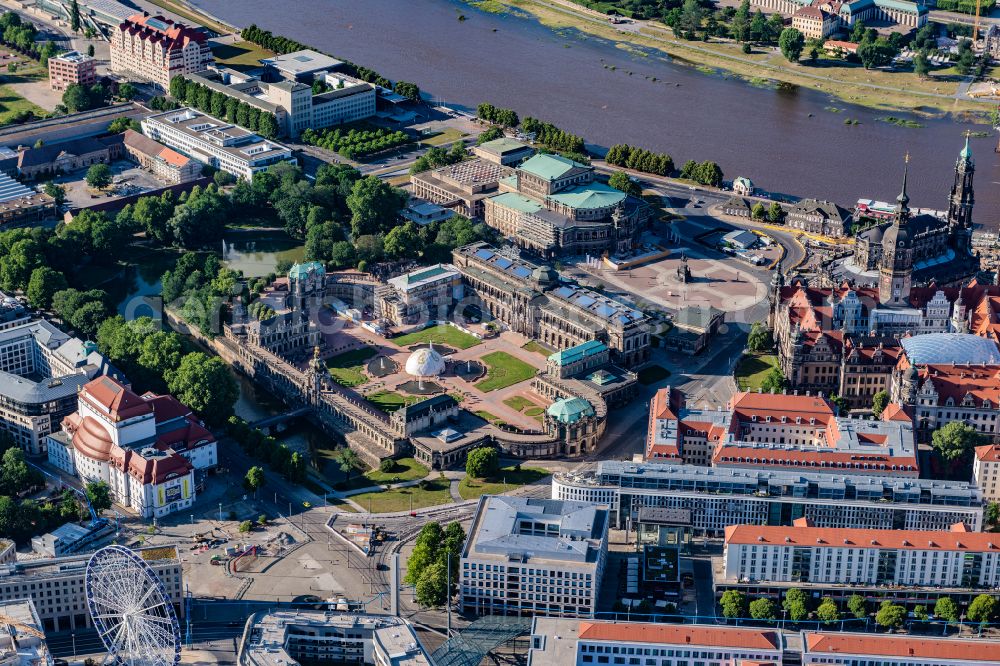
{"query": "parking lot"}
pixel 128 179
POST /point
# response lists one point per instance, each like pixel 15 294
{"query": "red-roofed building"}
pixel 938 394
pixel 986 471
pixel 837 648
pixel 156 49
pixel 803 555
pixel 814 23
pixel 146 448
pixel 567 641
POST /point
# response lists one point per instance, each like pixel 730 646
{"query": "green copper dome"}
pixel 570 410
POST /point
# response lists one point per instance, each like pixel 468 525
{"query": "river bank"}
pixel 875 89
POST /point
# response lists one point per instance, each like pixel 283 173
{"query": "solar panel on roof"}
pixel 605 310
pixel 636 314
pixel 522 271
pixel 564 292
pixel 157 24
pixel 504 263
pixel 484 254
pixel 585 301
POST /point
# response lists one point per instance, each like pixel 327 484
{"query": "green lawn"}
pixel 12 104
pixel 406 469
pixel 443 334
pixel 473 488
pixel 347 369
pixel 447 136
pixel 390 401
pixel 503 370
pixel 492 418
pixel 535 346
pixel 240 55
pixel 652 374
pixel 403 499
pixel 525 406
pixel 751 371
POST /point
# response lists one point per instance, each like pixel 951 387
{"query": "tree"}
pixel 840 404
pixel 947 609
pixel 56 191
pixel 791 42
pixel 858 606
pixel 99 176
pixel 425 551
pixel 758 211
pixel 741 22
pixel 43 285
pixel 921 65
pixel 879 402
pixel 691 15
pixel 890 615
pixel 774 381
pixel 858 32
pixel 992 513
pixel 254 479
pixel 482 462
pixel 246 526
pixel 386 465
pixel 431 589
pixel 621 181
pixel 127 91
pixel 74 16
pixel 374 205
pixel 763 609
pixel 796 602
pixel 827 611
pixel 99 495
pixel 348 461
pixel 758 27
pixel 759 339
pixel 90 50
pixel 490 134
pixel 205 384
pixel 920 612
pixel 775 212
pixel 982 608
pixel 956 440
pixel 403 241
pixel 734 604
pixel 876 53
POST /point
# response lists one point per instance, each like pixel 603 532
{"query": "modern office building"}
pixel 718 497
pixel 283 638
pixel 20 205
pixel 57 586
pixel 155 49
pixel 22 638
pixel 570 642
pixel 462 187
pixel 41 370
pixel 807 555
pixel 292 103
pixel 533 300
pixel 146 448
pixel 534 557
pixel 782 432
pixel 215 142
pixel 72 68
pixel 303 66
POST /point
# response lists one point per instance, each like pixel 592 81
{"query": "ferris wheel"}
pixel 131 610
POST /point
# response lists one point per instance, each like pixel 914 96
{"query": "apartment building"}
pixel 719 497
pixel 317 637
pixel 855 649
pixel 215 142
pixel 803 554
pixel 986 471
pixel 146 448
pixel 570 642
pixel 58 587
pixel 41 370
pixel 155 49
pixel 534 557
pixel 72 68
pixel 814 23
pixel 783 432
pixel 423 295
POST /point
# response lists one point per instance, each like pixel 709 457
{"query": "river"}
pixel 785 141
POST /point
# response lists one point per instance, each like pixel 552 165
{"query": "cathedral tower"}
pixel 896 268
pixel 961 200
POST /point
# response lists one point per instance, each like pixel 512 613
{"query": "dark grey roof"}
pixel 424 407
pixel 827 209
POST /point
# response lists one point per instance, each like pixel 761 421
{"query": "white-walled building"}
pixel 146 448
pixel 570 642
pixel 836 648
pixel 986 471
pixel 534 557
pixel 215 142
pixel 155 49
pixel 804 554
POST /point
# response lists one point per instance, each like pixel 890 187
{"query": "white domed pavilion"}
pixel 425 363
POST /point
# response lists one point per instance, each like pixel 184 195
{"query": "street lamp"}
pixel 220 512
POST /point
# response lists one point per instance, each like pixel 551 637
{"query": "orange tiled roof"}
pixel 988 453
pixel 829 458
pixel 632 632
pixel 109 396
pixel 872 645
pixel 860 538
pixel 746 405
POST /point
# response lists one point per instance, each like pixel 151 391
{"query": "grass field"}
pixel 443 334
pixel 492 418
pixel 525 406
pixel 473 488
pixel 652 374
pixel 403 499
pixel 347 369
pixel 503 370
pixel 240 55
pixel 536 347
pixel 390 401
pixel 12 104
pixel 751 371
pixel 447 136
pixel 406 469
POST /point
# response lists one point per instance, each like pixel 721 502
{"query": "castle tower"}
pixel 961 200
pixel 896 268
pixel 777 282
